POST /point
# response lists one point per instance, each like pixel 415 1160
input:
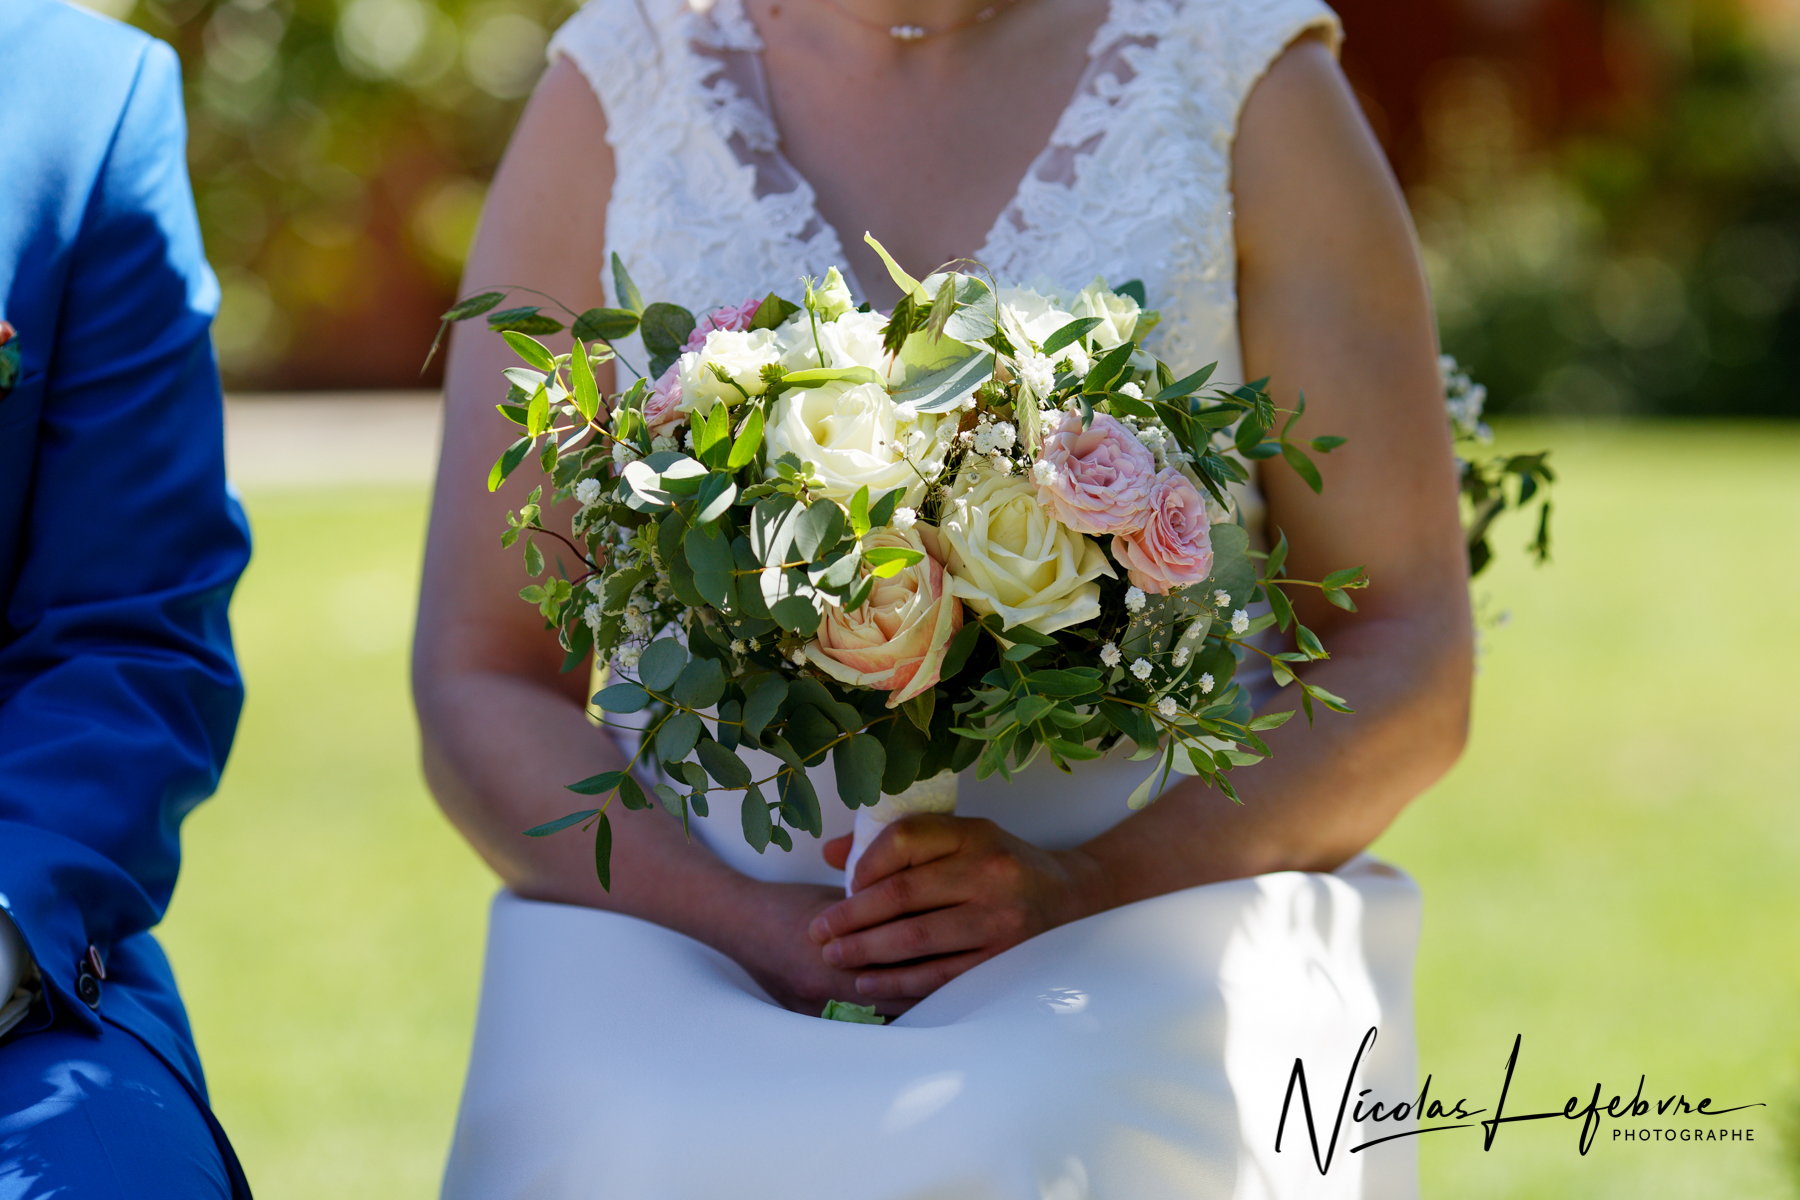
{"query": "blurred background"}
pixel 1608 192
pixel 1606 188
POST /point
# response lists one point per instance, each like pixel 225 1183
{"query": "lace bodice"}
pixel 1134 184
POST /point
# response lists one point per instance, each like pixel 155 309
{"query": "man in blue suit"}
pixel 119 548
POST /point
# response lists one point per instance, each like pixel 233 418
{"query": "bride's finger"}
pixel 916 980
pixel 946 931
pixel 920 888
pixel 908 842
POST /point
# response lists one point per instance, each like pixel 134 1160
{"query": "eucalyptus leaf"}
pixel 717 494
pixel 700 684
pixel 755 816
pixel 605 324
pixel 631 794
pixel 799 802
pixel 807 690
pixel 661 663
pixel 763 696
pixel 859 764
pixel 772 524
pixel 819 527
pixel 676 736
pixel 603 842
pixel 561 823
pixel 665 328
pixel 523 322
pixel 597 785
pixel 672 801
pixel 724 766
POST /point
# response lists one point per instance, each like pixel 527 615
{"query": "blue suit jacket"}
pixel 119 541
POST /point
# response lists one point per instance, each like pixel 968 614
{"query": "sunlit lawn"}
pixel 1613 871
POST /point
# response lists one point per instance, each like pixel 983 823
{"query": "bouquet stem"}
pixel 934 795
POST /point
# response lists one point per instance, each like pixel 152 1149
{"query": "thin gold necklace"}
pixel 918 33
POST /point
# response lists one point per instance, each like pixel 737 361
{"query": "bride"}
pixel 1084 1001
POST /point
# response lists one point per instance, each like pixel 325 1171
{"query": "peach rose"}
pixel 1174 548
pixel 896 641
pixel 1095 480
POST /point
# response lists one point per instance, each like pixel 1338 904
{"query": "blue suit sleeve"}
pixel 119 692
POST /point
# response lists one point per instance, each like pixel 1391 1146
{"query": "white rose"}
pixel 1039 315
pixel 853 340
pixel 1007 554
pixel 846 433
pixel 740 354
pixel 1118 314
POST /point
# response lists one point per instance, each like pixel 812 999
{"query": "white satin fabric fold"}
pixel 1140 1054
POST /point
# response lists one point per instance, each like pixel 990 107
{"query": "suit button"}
pixel 90 971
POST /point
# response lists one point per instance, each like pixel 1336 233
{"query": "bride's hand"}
pixel 780 955
pixel 937 894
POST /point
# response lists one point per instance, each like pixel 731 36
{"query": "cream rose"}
pixel 896 641
pixel 1118 314
pixel 741 354
pixel 1007 554
pixel 853 437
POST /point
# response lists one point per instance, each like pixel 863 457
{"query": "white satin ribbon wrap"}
pixel 934 795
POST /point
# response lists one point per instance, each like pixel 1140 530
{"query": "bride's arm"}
pixel 502 730
pixel 1332 299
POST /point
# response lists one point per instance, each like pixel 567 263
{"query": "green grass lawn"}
pixel 1613 871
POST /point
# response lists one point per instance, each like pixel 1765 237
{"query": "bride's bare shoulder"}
pixel 1304 157
pixel 545 208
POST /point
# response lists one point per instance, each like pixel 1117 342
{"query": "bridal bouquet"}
pixel 984 527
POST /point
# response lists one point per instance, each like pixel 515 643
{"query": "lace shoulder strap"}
pixel 624 49
pixel 1251 34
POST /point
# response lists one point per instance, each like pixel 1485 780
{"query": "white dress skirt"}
pixel 1140 1054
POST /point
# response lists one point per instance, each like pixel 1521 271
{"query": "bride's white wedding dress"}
pixel 1140 1054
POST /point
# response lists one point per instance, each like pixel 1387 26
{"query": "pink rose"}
pixel 662 406
pixel 1174 548
pixel 733 317
pixel 1097 480
pixel 896 641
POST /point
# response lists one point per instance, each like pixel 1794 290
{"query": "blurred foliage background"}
pixel 340 150
pixel 1608 190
